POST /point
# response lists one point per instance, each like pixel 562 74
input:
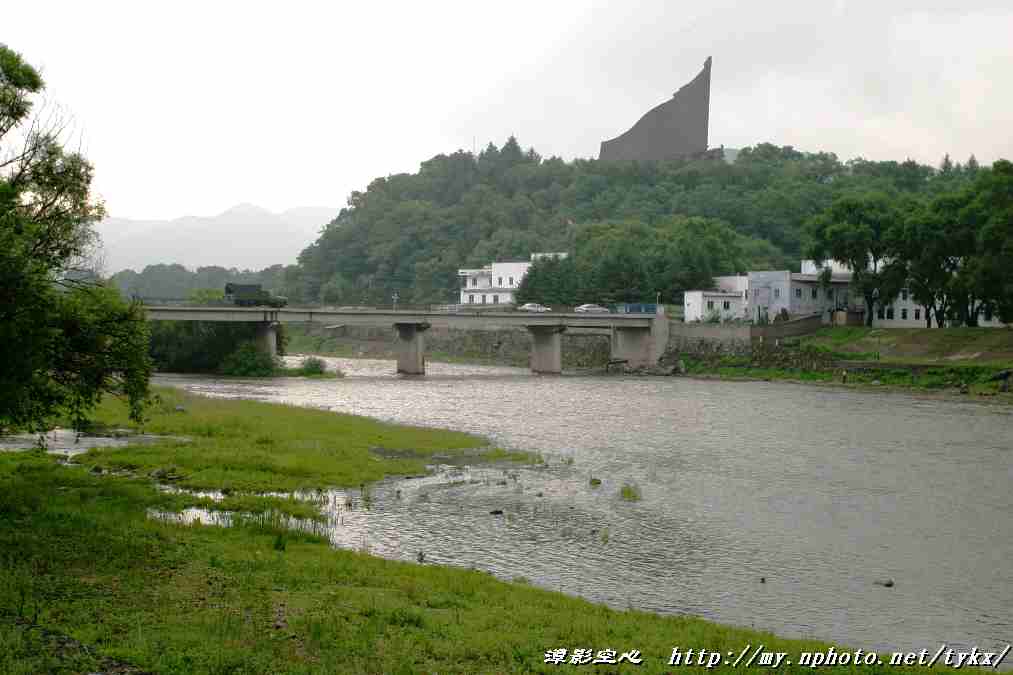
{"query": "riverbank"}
pixel 971 381
pixel 83 560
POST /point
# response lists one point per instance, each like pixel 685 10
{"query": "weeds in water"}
pixel 630 493
pixel 595 482
pixel 604 535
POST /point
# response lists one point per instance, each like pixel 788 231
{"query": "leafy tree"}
pixel 862 229
pixel 930 263
pixel 68 338
pixel 987 212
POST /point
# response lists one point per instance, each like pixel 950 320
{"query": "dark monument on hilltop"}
pixel 676 128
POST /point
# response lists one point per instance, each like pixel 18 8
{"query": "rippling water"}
pixel 821 491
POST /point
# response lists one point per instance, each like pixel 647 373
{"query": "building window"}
pixel 511 281
pixel 903 294
pixel 798 292
pixel 830 294
pixel 495 299
pixel 710 304
pixel 483 299
pixel 903 313
pixel 815 291
pixel 777 292
pixel 474 281
pixel 727 304
pixel 471 299
pixel 918 314
pixel 881 313
pixel 889 312
pixel 499 281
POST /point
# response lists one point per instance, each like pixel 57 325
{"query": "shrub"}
pixel 313 365
pixel 248 361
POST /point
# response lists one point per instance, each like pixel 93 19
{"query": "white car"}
pixel 533 307
pixel 596 309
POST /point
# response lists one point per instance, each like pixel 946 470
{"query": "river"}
pixel 767 505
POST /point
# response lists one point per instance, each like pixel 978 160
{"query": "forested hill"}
pixel 411 232
pixel 669 226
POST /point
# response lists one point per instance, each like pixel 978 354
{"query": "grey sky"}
pixel 191 107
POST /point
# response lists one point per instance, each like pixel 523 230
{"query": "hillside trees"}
pixel 629 261
pixel 410 232
pixel 68 339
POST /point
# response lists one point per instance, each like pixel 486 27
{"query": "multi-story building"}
pixel 765 294
pixel 902 312
pixel 496 283
pixel 799 294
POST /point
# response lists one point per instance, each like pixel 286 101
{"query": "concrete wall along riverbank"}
pixel 506 346
pixel 579 350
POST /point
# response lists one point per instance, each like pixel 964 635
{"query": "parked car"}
pixel 593 308
pixel 533 307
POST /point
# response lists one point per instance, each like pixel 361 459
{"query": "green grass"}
pixel 80 558
pixel 977 346
pixel 259 447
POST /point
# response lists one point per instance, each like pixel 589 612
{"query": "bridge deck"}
pixel 463 320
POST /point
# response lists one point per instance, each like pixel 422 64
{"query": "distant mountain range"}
pixel 245 237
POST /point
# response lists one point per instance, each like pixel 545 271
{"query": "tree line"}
pixel 176 282
pixel 952 248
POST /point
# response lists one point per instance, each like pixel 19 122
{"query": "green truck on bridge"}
pixel 252 295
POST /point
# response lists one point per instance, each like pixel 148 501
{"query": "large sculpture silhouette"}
pixel 674 129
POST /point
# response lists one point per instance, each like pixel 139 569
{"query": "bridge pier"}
pixel 267 338
pixel 640 347
pixel 411 357
pixel 547 349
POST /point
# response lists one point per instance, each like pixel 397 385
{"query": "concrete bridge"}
pixel 639 339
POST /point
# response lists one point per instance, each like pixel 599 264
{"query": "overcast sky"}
pixel 187 108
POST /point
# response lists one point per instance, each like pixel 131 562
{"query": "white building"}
pixel 797 293
pixel 765 294
pixel 496 283
pixel 904 312
pixel 701 305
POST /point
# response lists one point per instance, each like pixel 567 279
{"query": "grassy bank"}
pixel 81 558
pixel 956 380
pixel 953 360
pixel 956 346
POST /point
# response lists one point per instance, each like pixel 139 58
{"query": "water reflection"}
pixel 820 491
pixel 68 443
